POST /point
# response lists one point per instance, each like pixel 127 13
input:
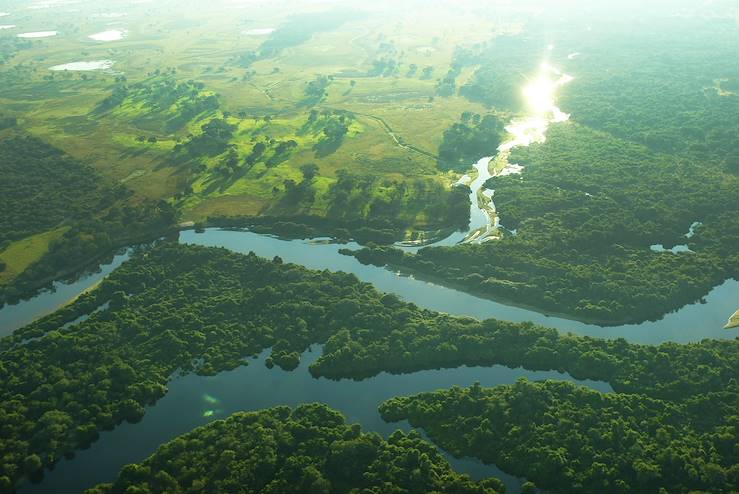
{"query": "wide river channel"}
pixel 194 400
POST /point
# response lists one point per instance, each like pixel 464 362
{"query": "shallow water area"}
pixel 112 35
pixel 39 34
pixel 540 94
pixel 84 66
pixel 13 317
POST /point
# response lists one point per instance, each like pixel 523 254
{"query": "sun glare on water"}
pixel 540 95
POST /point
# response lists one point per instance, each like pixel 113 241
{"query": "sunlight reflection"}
pixel 540 95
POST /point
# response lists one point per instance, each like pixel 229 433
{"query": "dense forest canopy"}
pixel 570 439
pixel 614 138
pixel 47 192
pixel 586 211
pixel 205 310
pixel 306 449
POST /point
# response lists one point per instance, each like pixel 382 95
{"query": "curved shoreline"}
pixel 390 269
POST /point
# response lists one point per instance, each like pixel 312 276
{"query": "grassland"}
pixel 382 141
pixel 355 101
pixel 21 254
pixel 733 321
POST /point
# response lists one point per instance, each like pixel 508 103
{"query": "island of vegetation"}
pixel 176 308
pixel 282 450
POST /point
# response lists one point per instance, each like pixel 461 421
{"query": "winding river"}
pixel 195 400
pixel 541 112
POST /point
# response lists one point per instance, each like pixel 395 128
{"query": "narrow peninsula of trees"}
pixel 572 440
pixel 309 449
pixel 178 308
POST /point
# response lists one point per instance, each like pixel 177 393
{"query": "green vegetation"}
pixel 651 151
pixel 60 215
pixel 469 140
pixel 733 320
pixel 194 309
pixel 10 46
pixel 221 126
pixel 307 449
pixel 159 103
pixel 585 225
pixel 302 27
pixel 22 254
pixel 42 187
pixel 570 439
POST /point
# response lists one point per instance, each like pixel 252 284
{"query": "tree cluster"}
pixel 570 439
pixel 306 449
pixel 177 308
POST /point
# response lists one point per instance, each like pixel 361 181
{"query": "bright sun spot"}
pixel 541 91
pixel 540 95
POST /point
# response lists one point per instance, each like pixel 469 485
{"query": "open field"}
pixel 397 118
pixel 22 253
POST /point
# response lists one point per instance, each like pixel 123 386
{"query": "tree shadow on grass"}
pixel 327 147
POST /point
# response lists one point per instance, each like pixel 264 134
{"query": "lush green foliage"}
pixel 175 307
pixel 586 210
pixel 159 103
pixel 42 187
pixel 45 189
pixel 279 450
pixel 205 310
pixel 467 141
pixel 570 439
pixel 10 45
pixel 357 197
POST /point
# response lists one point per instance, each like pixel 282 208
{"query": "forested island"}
pixel 176 308
pixel 282 450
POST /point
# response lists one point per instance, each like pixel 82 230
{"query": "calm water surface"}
pixel 194 400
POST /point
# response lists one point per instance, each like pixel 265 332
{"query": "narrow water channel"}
pixel 193 401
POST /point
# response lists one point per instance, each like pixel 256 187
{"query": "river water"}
pixel 194 400
pixel 541 112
